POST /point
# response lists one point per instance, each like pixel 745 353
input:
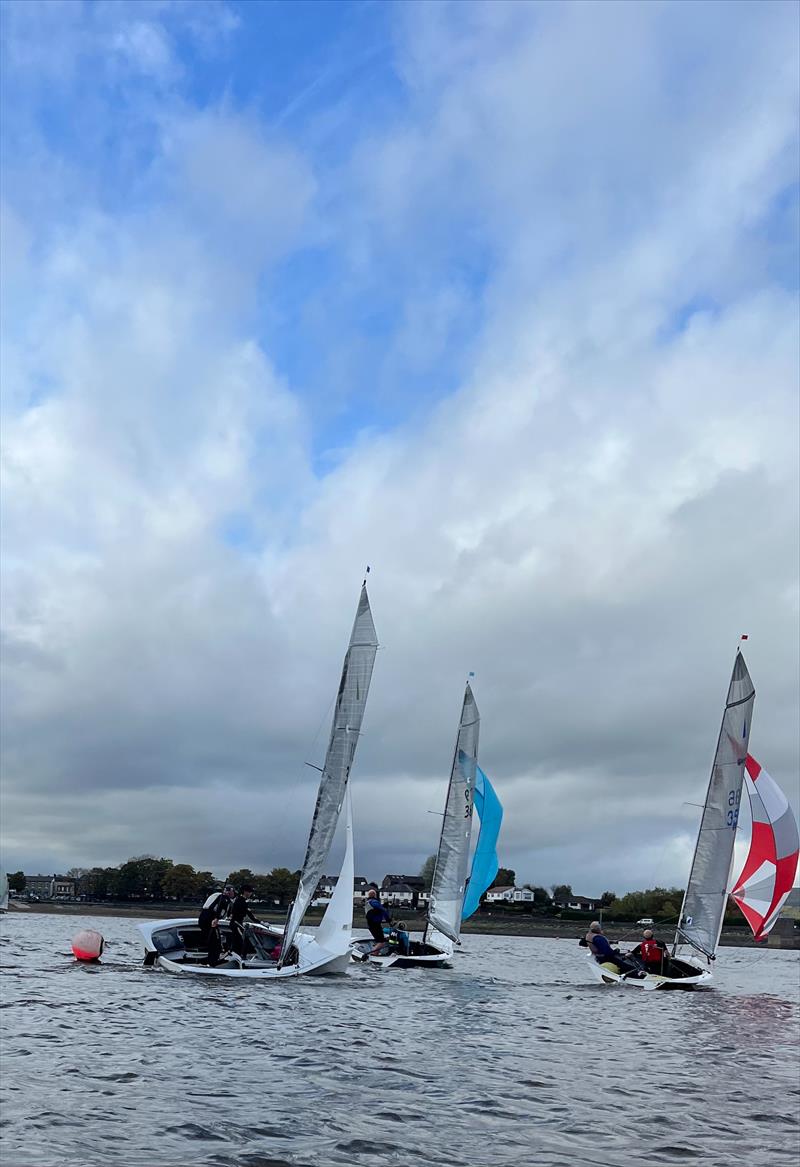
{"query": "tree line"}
pixel 147 878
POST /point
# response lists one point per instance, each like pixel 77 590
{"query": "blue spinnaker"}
pixel 485 864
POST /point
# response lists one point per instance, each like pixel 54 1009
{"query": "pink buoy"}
pixel 87 944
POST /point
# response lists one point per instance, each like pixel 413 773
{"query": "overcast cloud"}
pixel 500 299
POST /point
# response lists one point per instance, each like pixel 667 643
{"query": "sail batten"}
pixel 450 873
pixel 707 890
pixel 351 700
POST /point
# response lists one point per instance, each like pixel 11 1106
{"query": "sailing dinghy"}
pixel 768 873
pixel 703 908
pixel 468 787
pixel 280 952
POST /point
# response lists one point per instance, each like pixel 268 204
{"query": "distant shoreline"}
pixel 484 925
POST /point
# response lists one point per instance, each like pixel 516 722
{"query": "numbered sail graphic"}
pixel 771 864
pixel 707 890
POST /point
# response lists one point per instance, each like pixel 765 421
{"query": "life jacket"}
pixel 650 952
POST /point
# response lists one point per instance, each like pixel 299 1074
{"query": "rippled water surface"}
pixel 508 1058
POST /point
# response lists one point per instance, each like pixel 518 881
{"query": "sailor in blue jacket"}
pixel 603 952
pixel 377 914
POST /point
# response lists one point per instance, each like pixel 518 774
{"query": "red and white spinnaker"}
pixel 769 870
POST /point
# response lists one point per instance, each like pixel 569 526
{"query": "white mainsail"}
pixel 351 701
pixel 450 873
pixel 3 892
pixel 707 890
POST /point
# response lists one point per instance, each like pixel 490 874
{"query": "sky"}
pixel 500 299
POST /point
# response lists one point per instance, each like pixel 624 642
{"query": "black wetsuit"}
pixel 216 907
pixel 240 912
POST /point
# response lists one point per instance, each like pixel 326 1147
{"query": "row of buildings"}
pixel 409 891
pixel 397 891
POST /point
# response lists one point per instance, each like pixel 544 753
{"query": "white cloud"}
pixel 589 522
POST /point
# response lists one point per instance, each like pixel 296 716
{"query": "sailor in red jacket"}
pixel 651 953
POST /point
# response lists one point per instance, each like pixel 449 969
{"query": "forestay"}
pixel 450 873
pixel 485 863
pixel 707 890
pixel 351 701
pixel 771 864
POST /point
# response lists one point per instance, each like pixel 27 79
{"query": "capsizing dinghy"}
pixel 276 951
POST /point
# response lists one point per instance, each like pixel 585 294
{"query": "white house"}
pixel 581 904
pixel 397 895
pixel 496 895
pixel 523 895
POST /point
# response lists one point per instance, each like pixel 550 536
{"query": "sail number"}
pixel 734 798
pixel 467 802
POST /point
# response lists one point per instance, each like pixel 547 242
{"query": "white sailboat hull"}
pixel 433 956
pixel 607 974
pixel 176 945
pixel 169 945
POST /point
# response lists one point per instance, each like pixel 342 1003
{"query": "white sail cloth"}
pixel 707 891
pixel 450 874
pixel 351 701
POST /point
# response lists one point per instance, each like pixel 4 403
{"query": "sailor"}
pixel 604 954
pixel 399 939
pixel 240 912
pixel 377 915
pixel 651 953
pixel 216 907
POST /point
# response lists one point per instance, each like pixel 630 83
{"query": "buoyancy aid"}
pixel 650 952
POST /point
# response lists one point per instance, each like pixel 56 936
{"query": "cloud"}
pixel 548 365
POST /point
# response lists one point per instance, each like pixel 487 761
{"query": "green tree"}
pixel 143 878
pixel 562 893
pixel 182 882
pixel 506 877
pixel 243 875
pixel 426 871
pixel 280 884
pixel 607 898
pixel 540 897
pixel 17 881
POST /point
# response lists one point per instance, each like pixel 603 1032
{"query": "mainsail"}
pixel 771 864
pixel 351 701
pixel 450 873
pixel 485 864
pixel 707 891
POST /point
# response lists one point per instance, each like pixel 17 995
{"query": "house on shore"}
pixel 49 887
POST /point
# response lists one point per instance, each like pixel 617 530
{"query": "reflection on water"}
pixel 509 1058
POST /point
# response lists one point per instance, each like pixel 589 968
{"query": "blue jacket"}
pixel 602 949
pixel 376 911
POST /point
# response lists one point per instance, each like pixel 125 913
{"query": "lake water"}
pixel 508 1058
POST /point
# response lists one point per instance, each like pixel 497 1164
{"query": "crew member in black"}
pixel 216 907
pixel 240 912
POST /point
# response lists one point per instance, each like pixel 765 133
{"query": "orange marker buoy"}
pixel 87 944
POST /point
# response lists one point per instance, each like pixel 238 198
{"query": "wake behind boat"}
pixel 766 878
pixel 455 894
pixel 276 952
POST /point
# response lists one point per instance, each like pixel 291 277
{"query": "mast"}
pixel 450 873
pixel 706 894
pixel 351 701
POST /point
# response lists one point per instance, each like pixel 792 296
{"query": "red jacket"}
pixel 650 952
